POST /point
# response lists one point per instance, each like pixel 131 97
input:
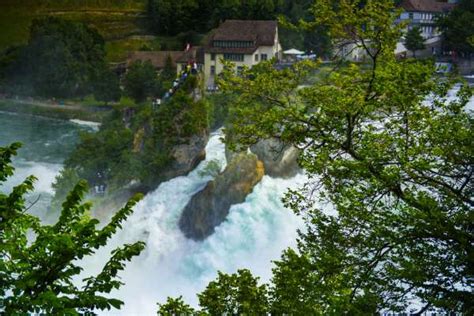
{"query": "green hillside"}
pixel 115 19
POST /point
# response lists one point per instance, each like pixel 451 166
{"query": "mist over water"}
pixel 46 144
pixel 255 233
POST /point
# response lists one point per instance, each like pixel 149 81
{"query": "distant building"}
pixel 244 43
pixel 416 13
pixel 157 58
pixel 350 50
pixel 423 14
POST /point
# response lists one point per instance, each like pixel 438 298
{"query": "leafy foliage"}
pixel 166 76
pixel 106 86
pixel 66 53
pixel 389 154
pixel 212 169
pixel 229 294
pixel 234 294
pixel 140 80
pixel 139 150
pixel 458 28
pixel 414 40
pixel 39 261
pixel 175 307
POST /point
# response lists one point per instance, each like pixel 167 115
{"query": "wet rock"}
pixel 209 207
pixel 280 160
pixel 187 156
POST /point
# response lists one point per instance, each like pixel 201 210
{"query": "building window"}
pixel 213 70
pixel 213 56
pixel 234 57
pixel 256 57
pixel 410 16
pixel 232 44
pixel 264 57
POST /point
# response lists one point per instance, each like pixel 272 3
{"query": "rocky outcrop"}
pixel 209 207
pixel 230 154
pixel 280 160
pixel 187 156
pixel 138 140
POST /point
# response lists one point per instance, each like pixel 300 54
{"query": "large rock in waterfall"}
pixel 280 160
pixel 209 207
pixel 187 156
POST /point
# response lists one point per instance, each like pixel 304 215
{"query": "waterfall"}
pixel 253 235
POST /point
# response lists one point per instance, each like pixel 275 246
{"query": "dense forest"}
pixel 174 17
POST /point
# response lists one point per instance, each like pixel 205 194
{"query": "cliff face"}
pixel 187 156
pixel 210 207
pixel 280 160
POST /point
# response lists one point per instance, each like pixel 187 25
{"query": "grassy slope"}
pixel 121 22
pixel 115 19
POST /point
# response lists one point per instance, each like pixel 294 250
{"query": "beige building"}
pixel 244 43
pixel 423 14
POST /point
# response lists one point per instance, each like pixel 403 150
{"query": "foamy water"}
pixel 93 125
pixel 254 234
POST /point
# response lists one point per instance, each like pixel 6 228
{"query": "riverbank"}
pixel 63 112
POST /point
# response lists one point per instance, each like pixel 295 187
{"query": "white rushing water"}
pixel 46 143
pixel 93 125
pixel 254 234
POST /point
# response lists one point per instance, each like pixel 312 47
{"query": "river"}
pixel 46 144
pixel 254 234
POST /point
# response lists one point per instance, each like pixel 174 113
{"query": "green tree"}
pixel 67 53
pixel 175 307
pixel 458 28
pixel 234 294
pixel 172 17
pixel 140 80
pixel 106 86
pixel 39 261
pixel 414 40
pixel 396 170
pixel 107 153
pixel 62 185
pixel 168 74
pixel 230 294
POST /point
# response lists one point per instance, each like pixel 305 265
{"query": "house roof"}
pixel 259 32
pixel 196 54
pixel 426 6
pixel 157 58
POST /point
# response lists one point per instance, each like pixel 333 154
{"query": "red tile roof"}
pixel 426 6
pixel 260 33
